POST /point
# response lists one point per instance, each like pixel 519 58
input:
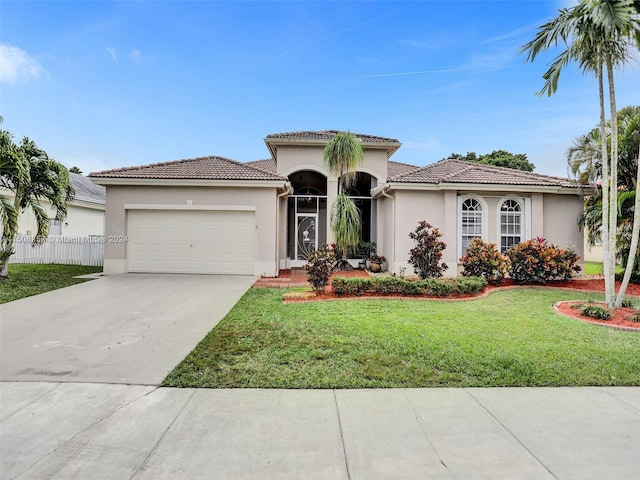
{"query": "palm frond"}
pixel 345 222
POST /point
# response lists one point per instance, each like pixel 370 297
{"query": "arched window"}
pixel 471 222
pixel 510 224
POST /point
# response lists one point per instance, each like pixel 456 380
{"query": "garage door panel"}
pixel 180 241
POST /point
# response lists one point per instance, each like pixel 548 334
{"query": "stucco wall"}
pixel 547 215
pixel 81 221
pixel 263 199
pixel 561 221
pixel 293 158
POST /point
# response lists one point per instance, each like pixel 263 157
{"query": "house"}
pixel 85 213
pixel 215 215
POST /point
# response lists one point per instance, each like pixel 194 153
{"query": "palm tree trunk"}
pixel 609 266
pixel 635 233
pixel 613 190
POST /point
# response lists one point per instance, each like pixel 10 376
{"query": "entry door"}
pixel 306 235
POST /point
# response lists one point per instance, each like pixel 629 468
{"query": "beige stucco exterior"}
pixel 121 199
pixel 397 208
pixel 548 215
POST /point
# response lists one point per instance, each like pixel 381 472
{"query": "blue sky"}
pixel 109 84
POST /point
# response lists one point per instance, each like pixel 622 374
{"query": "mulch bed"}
pixel 620 318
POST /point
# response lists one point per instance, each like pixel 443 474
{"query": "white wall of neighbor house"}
pixel 262 199
pixel 83 219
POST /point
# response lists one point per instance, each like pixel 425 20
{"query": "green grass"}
pixel 26 279
pixel 510 338
pixel 593 268
pixel 596 268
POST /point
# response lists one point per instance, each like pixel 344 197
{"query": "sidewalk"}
pixel 84 430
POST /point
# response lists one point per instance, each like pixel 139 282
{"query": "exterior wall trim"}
pixel 156 206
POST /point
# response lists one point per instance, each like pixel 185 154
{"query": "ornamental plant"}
pixel 537 261
pixel 319 267
pixel 426 256
pixel 485 260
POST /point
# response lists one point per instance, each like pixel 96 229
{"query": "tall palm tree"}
pixel 342 156
pixel 32 177
pixel 591 218
pixel 599 35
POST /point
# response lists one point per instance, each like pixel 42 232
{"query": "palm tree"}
pixel 342 156
pixel 583 162
pixel 599 35
pixel 32 177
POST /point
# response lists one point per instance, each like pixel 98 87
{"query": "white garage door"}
pixel 182 241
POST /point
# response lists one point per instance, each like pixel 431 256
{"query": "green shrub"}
pixel 443 287
pixel 485 260
pixel 595 311
pixel 537 261
pixel 319 267
pixel 427 254
pixel 384 285
pixel 351 286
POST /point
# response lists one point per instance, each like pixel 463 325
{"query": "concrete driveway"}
pixel 130 329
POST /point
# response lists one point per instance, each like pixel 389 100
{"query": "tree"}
pixel 342 156
pixel 32 177
pixel 584 163
pixel 75 170
pixel 599 35
pixel 498 158
pixel 502 158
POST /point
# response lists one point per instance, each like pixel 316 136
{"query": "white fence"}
pixel 60 249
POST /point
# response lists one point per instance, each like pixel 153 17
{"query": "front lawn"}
pixel 27 279
pixel 510 338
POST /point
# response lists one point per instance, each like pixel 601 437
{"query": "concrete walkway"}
pixel 106 431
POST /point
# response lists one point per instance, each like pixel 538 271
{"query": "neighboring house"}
pixel 215 215
pixel 85 213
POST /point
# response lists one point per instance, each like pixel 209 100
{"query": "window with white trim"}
pixel 471 222
pixel 510 224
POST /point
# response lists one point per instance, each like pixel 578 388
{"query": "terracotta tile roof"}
pixel 268 165
pixel 397 168
pixel 327 135
pixel 202 168
pixel 86 190
pixel 459 171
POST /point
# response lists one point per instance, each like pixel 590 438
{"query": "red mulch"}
pixel 620 317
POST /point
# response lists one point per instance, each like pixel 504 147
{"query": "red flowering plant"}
pixel 427 253
pixel 484 260
pixel 538 261
pixel 319 266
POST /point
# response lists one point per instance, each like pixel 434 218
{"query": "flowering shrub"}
pixel 426 255
pixel 319 266
pixel 484 260
pixel 537 261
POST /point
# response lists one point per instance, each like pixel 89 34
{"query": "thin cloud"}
pixel 421 72
pixel 515 33
pixel 17 66
pixel 135 55
pixel 113 53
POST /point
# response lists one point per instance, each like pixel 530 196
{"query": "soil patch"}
pixel 620 317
